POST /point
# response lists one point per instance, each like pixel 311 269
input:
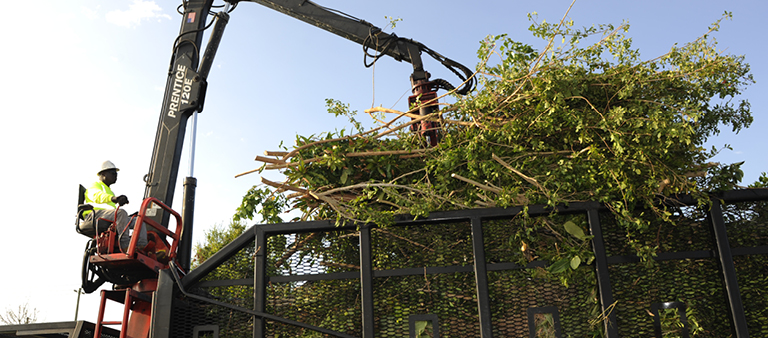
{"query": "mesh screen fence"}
pixel 192 315
pixel 747 225
pixel 513 293
pixel 330 304
pixel 449 296
pixel 313 277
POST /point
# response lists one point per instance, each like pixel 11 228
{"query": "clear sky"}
pixel 83 80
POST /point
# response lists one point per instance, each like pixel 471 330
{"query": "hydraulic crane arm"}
pixel 184 94
pixel 343 25
pixel 186 84
pixel 369 36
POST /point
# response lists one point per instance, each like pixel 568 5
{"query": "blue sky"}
pixel 83 83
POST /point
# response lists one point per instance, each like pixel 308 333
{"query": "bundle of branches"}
pixel 567 123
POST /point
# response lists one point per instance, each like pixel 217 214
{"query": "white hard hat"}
pixel 107 165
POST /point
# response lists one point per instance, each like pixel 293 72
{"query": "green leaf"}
pixel 559 266
pixel 575 262
pixel 345 175
pixel 574 230
pixel 421 325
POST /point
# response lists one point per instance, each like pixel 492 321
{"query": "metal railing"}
pixel 316 279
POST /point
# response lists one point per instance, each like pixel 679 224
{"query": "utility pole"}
pixel 77 307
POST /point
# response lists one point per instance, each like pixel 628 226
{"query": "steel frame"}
pixel 258 234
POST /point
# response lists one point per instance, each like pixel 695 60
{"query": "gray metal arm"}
pixel 369 36
pixel 348 27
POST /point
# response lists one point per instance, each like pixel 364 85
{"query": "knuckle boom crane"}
pixel 134 272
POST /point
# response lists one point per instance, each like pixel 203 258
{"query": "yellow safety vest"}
pixel 99 195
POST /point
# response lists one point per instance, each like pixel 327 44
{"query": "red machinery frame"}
pixel 137 298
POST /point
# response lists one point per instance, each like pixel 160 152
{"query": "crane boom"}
pixel 343 25
pixel 185 87
pixel 184 93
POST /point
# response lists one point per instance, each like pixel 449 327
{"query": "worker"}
pixel 105 202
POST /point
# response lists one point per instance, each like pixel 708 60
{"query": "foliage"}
pixel 263 202
pixel 671 325
pixel 24 314
pixel 762 182
pixel 568 123
pixel 393 21
pixel 215 239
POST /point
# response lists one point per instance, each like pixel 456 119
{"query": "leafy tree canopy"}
pixel 215 239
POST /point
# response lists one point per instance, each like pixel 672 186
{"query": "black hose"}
pixel 455 67
pixel 443 84
pixel 464 73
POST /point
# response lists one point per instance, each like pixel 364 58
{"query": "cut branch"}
pixel 384 153
pixel 404 239
pixel 414 121
pixel 476 183
pixel 268 160
pixel 275 153
pixel 340 265
pixel 414 116
pixel 324 195
pixel 291 164
pixel 250 171
pixel 530 180
pixel 297 194
pixel 580 152
pixel 283 186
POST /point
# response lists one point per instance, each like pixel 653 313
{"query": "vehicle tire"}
pixel 91 276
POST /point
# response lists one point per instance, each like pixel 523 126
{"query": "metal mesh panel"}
pixel 514 292
pixel 753 283
pixel 189 313
pixel 450 296
pixel 696 283
pixel 313 253
pixel 499 243
pixel 693 282
pixel 614 236
pixel 747 226
pixel 421 246
pixel 330 304
pixel 689 230
pixel 503 244
pixel 427 270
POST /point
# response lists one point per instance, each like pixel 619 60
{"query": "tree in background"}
pixel 24 314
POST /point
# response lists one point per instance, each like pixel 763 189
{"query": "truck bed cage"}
pixel 271 300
